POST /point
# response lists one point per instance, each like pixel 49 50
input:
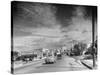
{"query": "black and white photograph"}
pixel 53 37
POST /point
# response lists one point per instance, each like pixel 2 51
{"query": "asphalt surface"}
pixel 65 64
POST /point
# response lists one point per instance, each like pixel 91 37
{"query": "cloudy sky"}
pixel 40 25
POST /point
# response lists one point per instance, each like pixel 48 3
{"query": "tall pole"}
pixel 93 37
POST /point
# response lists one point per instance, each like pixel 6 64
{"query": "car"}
pixel 50 59
pixel 59 56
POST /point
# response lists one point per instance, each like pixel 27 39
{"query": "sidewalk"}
pixel 88 63
pixel 16 66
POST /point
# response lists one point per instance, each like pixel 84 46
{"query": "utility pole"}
pixel 93 36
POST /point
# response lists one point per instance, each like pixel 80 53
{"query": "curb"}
pixel 87 65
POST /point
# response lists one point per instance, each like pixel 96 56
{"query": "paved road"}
pixel 65 64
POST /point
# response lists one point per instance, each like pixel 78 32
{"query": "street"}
pixel 65 64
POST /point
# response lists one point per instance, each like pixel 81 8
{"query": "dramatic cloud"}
pixel 34 15
pixel 40 25
pixel 35 26
pixel 80 28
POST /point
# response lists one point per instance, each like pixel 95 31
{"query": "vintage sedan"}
pixel 50 59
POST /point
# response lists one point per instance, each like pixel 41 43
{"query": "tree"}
pixel 79 48
pixel 90 49
pixel 15 54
